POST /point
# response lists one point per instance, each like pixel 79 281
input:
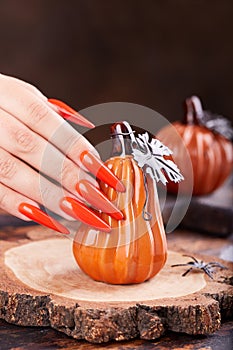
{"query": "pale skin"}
pixel 34 138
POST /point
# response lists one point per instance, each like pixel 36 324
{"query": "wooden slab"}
pixel 39 266
pixel 126 312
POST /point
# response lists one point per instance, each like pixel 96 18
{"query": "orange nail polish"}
pixel 84 214
pixel 101 171
pixel 42 218
pixel 97 199
pixel 69 113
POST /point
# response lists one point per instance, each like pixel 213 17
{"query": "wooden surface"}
pixel 212 213
pixel 6 219
pixel 43 338
pixel 181 240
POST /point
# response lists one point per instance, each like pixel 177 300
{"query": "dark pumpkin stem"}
pixel 145 214
pixel 122 139
pixel 194 111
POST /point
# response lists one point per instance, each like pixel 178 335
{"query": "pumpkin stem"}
pixel 123 138
pixel 145 214
pixel 194 111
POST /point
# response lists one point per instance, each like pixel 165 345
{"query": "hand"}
pixel 43 160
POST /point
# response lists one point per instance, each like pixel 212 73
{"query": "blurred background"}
pixel 152 52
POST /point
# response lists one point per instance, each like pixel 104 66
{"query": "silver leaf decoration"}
pixel 149 155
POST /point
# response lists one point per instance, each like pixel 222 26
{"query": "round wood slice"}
pixel 41 285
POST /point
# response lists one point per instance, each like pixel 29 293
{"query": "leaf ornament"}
pixel 217 124
pixel 149 155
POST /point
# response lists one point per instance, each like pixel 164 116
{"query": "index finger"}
pixel 34 112
pixel 39 117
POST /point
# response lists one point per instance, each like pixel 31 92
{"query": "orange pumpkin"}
pixel 211 153
pixel 135 250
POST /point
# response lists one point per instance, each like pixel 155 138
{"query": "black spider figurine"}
pixel 195 264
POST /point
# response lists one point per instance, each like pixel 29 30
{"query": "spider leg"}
pixel 180 265
pixel 208 272
pixel 192 257
pixel 186 272
pixel 216 264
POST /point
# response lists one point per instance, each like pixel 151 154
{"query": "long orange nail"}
pixel 69 113
pixel 40 217
pixel 97 199
pixel 101 171
pixel 82 213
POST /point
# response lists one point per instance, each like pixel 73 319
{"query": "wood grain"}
pixel 39 266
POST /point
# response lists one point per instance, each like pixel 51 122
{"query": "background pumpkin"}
pixel 210 152
pixel 136 249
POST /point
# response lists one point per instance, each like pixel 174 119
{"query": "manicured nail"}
pixel 42 218
pixel 101 171
pixel 69 113
pixel 82 213
pixel 97 199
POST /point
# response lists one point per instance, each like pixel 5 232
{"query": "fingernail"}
pixel 97 199
pixel 82 213
pixel 69 113
pixel 101 171
pixel 42 218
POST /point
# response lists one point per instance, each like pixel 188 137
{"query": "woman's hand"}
pixel 44 161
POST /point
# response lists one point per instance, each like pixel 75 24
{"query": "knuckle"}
pixel 37 112
pixel 25 140
pixel 31 87
pixel 35 91
pixel 78 145
pixel 7 168
pixel 66 171
pixel 45 192
pixel 3 197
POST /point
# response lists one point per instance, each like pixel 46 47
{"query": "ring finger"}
pixel 22 179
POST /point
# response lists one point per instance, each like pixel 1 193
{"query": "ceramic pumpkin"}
pixel 207 140
pixel 136 249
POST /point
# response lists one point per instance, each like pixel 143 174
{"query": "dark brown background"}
pixel 154 53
